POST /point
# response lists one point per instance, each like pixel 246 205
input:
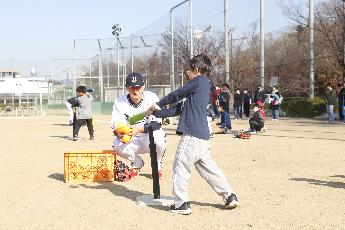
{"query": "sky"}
pixel 45 29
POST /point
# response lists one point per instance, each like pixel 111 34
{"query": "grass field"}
pixel 291 177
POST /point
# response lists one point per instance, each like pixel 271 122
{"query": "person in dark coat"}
pixel 259 95
pixel 238 104
pixel 224 97
pixel 247 100
pixel 341 100
pixel 257 121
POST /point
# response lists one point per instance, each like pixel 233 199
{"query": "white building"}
pixel 13 87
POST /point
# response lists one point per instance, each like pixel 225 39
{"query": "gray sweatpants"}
pixel 192 150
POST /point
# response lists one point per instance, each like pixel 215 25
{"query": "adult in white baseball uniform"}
pixel 70 112
pixel 137 101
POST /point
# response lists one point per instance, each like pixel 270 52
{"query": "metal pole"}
pixel 191 28
pixel 100 77
pixel 41 104
pixel 90 66
pixel 74 77
pixel 262 45
pixel 172 76
pixel 118 63
pixel 182 76
pixel 311 47
pixel 226 41
pixel 132 55
pixel 12 68
pixel 52 69
pixel 107 60
pixel 343 18
pixel 231 59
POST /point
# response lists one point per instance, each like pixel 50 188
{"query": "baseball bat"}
pixel 154 165
pixel 135 118
pixel 74 122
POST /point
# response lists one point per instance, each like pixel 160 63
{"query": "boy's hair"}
pixel 226 85
pixel 81 89
pixel 202 62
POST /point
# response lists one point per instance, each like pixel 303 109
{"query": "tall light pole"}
pixel 311 49
pixel 100 70
pixel 262 45
pixel 343 23
pixel 116 32
pixel 132 55
pixel 172 68
pixel 226 41
pixel 74 76
pixel 191 28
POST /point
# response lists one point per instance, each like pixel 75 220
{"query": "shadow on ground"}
pixel 304 137
pixel 331 184
pixel 306 131
pixel 57 176
pixel 62 125
pixel 340 176
pixel 62 137
pixel 117 189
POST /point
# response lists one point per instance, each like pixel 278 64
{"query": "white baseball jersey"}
pixel 123 108
pixel 140 143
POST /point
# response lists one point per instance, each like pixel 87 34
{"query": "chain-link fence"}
pixel 160 51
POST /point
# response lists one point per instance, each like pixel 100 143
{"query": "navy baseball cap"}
pixel 135 79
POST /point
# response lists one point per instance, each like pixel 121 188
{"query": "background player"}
pixel 137 101
pixel 84 112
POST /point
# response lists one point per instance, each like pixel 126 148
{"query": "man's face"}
pixel 135 93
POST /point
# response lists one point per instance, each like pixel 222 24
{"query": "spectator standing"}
pixel 224 97
pixel 331 100
pixel 259 95
pixel 275 101
pixel 214 97
pixel 341 101
pixel 238 104
pixel 247 100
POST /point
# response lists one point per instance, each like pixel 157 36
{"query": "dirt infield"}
pixel 291 177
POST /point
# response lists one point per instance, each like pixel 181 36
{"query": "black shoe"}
pixel 231 202
pixel 75 138
pixel 92 138
pixel 184 209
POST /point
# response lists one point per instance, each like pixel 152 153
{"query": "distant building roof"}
pixel 8 70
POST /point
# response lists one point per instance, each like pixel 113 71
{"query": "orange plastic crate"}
pixel 89 166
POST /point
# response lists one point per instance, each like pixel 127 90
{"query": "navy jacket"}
pixel 193 113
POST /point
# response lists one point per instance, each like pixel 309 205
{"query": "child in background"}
pixel 225 122
pixel 257 121
pixel 84 100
